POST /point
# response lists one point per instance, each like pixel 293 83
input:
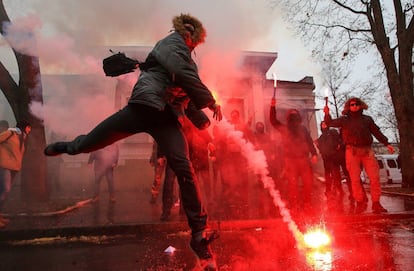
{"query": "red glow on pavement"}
pixel 319 255
pixel 319 260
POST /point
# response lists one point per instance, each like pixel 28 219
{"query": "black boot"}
pixel 377 208
pixel 56 148
pixel 361 206
pixel 201 247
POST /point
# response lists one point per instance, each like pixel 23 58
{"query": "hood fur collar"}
pixel 185 23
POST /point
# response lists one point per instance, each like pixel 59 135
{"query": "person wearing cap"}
pixel 357 131
pixel 298 152
pixel 167 88
pixel 12 147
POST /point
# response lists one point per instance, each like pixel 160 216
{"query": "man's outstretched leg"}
pixel 122 124
pixel 171 139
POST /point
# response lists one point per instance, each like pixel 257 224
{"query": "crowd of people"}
pixel 291 156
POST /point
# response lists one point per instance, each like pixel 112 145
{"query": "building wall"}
pixel 252 101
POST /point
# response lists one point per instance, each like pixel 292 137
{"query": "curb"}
pixel 51 213
pixel 143 229
pixel 397 194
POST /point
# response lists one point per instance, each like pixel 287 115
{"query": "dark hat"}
pixel 22 124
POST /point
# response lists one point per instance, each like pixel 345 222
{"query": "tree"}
pixel 20 96
pixel 358 26
pixel 335 77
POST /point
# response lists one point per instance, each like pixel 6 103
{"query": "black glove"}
pixel 118 64
pixel 197 117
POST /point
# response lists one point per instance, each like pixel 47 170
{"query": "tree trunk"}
pixel 406 154
pixel 402 95
pixel 400 81
pixel 20 96
pixel 404 110
pixel 33 176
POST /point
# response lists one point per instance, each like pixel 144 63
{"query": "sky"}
pixel 66 31
pixel 232 24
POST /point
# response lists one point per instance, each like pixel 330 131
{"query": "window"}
pixel 380 163
pixel 392 163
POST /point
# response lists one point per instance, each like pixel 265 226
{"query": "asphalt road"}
pixel 366 244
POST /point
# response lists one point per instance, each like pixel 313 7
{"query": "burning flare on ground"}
pixel 318 254
pixel 316 238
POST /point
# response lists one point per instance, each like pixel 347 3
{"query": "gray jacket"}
pixel 171 77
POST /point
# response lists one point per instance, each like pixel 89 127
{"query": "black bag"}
pixel 118 64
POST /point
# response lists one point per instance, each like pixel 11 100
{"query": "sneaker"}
pixel 377 208
pixel 361 206
pixel 202 249
pixel 55 149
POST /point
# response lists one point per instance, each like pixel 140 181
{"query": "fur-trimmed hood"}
pixel 185 23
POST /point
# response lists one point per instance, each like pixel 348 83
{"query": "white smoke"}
pixel 257 163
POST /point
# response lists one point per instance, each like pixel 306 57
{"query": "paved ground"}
pixel 381 245
pixel 79 234
pixel 133 207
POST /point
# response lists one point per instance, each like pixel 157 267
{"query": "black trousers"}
pixel 164 127
pixel 168 190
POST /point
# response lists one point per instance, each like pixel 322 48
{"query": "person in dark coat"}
pixel 329 145
pixel 168 87
pixel 299 152
pixel 357 131
pixel 262 141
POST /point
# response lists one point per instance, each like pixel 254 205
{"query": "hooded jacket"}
pixel 297 143
pixel 171 77
pixel 329 144
pixel 357 129
pixel 11 149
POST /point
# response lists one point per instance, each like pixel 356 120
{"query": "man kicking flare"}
pixel 168 86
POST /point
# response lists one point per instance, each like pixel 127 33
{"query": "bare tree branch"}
pixel 349 8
